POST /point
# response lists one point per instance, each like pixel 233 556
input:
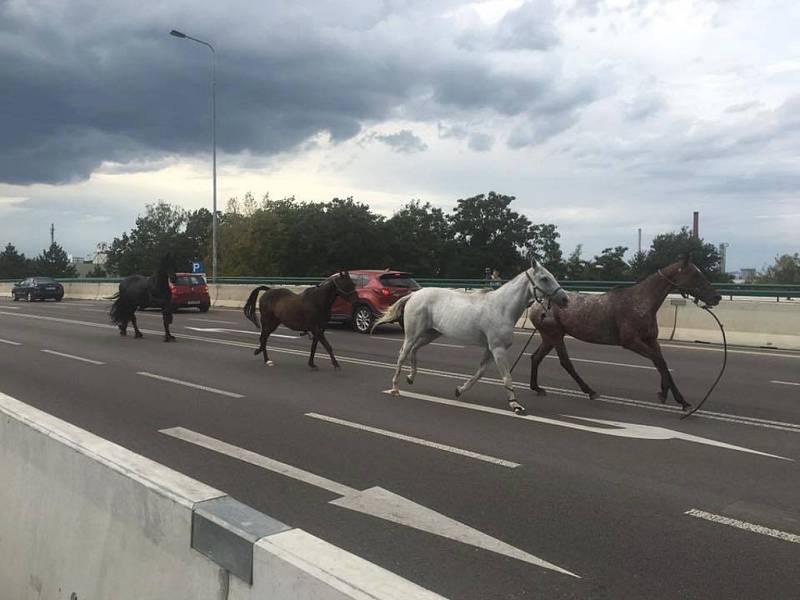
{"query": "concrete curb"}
pixel 84 516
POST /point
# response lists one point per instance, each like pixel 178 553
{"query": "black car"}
pixel 38 288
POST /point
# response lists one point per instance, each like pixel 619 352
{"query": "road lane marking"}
pixel 612 428
pixel 72 356
pixel 415 440
pixel 603 362
pixel 706 414
pixel 784 382
pixel 11 307
pixel 211 320
pixel 9 342
pixel 776 533
pixel 190 384
pixel 401 340
pixel 374 501
pixel 246 331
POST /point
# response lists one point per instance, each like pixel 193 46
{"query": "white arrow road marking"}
pixel 616 428
pixel 225 330
pixel 374 501
pixel 415 440
pixel 776 533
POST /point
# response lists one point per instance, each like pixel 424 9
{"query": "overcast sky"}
pixel 599 116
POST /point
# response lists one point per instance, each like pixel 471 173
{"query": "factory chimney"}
pixel 696 225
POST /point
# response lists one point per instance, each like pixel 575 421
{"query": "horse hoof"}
pixel 518 409
pixel 540 391
pixel 410 380
pixel 138 335
pixel 337 367
pixel 458 392
pixel 395 392
pixel 593 395
pixel 662 396
pixel 269 363
pixel 123 333
pixel 313 367
pixel 685 406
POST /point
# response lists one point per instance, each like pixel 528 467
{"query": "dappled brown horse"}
pixel 621 317
pixel 309 311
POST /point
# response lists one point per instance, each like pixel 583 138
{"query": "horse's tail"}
pixel 250 305
pixel 114 297
pixel 120 312
pixel 395 312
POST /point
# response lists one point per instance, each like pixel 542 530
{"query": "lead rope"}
pixel 525 347
pixel 721 371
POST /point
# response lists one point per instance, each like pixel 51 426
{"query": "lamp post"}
pixel 181 35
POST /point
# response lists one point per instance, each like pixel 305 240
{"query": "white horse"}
pixel 481 319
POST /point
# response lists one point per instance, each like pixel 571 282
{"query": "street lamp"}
pixel 183 36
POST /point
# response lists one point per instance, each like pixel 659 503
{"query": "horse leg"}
pixel 536 359
pixel 314 340
pixel 485 360
pixel 667 382
pixel 428 337
pixel 328 347
pixel 166 316
pixel 566 363
pixel 401 358
pixel 267 327
pixel 500 354
pixel 137 333
pixel 653 353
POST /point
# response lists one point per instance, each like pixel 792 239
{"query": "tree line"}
pixel 287 237
pixel 52 261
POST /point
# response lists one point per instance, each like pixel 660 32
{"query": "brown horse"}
pixel 622 317
pixel 308 312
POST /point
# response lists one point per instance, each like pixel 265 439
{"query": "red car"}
pixel 377 291
pixel 190 289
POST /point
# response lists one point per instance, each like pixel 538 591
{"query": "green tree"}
pixel 13 265
pixel 575 268
pixel 97 272
pixel 668 248
pixel 420 240
pixel 785 270
pixel 610 265
pixel 162 229
pixel 544 246
pixel 54 262
pixel 489 234
pixel 636 266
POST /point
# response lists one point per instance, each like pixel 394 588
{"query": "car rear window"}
pixel 189 280
pixel 399 280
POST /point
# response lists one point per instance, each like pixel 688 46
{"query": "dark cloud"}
pixel 404 141
pixel 88 82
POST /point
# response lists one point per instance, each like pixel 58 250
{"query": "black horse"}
pixel 138 292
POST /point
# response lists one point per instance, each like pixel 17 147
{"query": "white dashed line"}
pixel 416 440
pixel 784 382
pixel 776 533
pixel 73 357
pixel 190 384
pixel 9 342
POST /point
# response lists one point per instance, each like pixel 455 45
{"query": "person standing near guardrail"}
pixel 496 280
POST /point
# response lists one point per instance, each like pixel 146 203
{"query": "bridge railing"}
pixel 760 290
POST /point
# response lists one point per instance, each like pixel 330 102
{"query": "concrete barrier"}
pixel 84 518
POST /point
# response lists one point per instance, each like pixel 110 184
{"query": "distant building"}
pixel 748 275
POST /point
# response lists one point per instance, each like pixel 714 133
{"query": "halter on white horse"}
pixel 486 320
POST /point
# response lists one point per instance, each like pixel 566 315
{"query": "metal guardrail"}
pixel 760 290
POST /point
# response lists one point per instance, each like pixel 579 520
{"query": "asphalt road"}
pixel 461 497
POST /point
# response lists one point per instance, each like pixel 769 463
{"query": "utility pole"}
pixel 52 233
pixel 640 241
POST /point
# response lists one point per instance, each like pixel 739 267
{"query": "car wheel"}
pixel 203 307
pixel 362 319
pixel 30 297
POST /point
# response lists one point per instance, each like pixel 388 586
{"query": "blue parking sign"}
pixel 197 267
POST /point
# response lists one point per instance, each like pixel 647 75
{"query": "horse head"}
pixel 689 280
pixel 543 282
pixel 345 287
pixel 166 267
